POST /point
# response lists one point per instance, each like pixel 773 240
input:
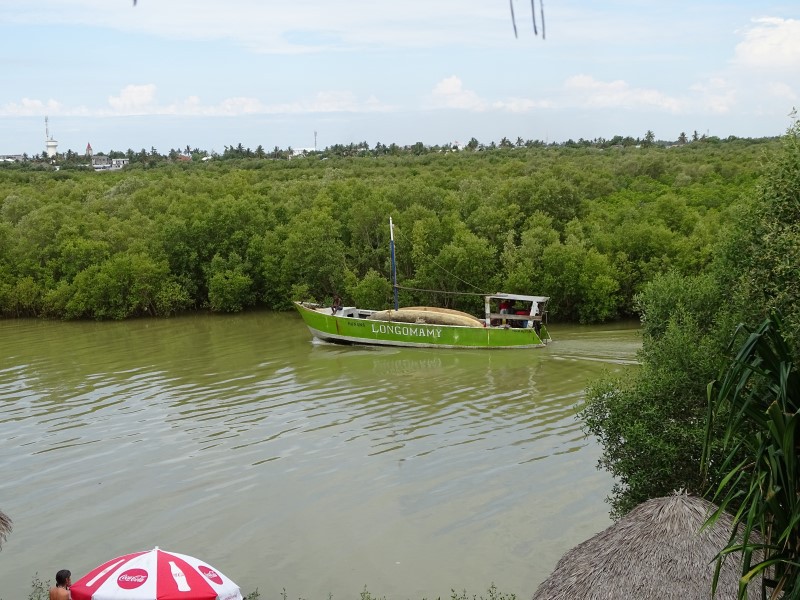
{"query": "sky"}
pixel 209 74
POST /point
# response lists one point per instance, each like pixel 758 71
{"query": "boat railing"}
pixel 514 317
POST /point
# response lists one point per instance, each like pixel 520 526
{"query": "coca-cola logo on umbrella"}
pixel 210 574
pixel 132 578
pixel 154 574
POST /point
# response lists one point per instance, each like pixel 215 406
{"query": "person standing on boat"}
pixel 537 318
pixel 505 308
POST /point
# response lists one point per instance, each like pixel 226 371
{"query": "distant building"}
pixel 89 150
pixel 302 151
pixel 101 162
pixel 104 163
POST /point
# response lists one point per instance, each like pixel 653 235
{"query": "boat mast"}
pixel 394 265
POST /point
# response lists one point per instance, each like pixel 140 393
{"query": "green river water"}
pixel 290 464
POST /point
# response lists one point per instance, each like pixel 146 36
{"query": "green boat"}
pixel 430 327
pixel 509 321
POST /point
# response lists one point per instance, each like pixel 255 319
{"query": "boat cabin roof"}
pixel 520 297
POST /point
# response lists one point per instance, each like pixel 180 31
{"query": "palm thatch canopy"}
pixel 5 527
pixel 655 551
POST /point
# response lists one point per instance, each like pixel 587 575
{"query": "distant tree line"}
pixel 586 226
pixel 152 157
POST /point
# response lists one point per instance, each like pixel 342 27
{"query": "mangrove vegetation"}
pixel 588 226
pixel 714 408
pixel 699 240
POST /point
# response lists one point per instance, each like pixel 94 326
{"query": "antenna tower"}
pixel 49 142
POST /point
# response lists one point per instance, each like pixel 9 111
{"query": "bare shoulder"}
pixel 58 593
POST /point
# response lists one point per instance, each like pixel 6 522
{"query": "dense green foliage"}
pixel 652 424
pixel 759 397
pixel 588 227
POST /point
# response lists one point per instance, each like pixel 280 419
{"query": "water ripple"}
pixel 151 430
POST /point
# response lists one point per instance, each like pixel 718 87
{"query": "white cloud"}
pixel 717 95
pixel 586 91
pixel 782 90
pixel 522 105
pixel 372 104
pixel 28 107
pixel 450 93
pixel 139 100
pixel 334 101
pixel 241 106
pixel 771 43
pixel 761 77
pixel 331 101
pixel 134 99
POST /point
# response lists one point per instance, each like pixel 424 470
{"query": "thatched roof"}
pixel 655 551
pixel 5 527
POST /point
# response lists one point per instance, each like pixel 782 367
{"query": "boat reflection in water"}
pixel 419 380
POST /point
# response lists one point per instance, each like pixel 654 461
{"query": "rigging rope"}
pixel 410 289
pixel 400 231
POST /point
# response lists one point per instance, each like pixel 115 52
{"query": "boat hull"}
pixel 363 330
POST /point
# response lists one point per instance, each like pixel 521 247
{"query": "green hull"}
pixel 357 330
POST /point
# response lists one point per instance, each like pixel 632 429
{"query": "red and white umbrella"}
pixel 154 575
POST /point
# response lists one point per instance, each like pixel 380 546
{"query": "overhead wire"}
pixel 479 293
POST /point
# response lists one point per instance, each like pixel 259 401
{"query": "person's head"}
pixel 63 577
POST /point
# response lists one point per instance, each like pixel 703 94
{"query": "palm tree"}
pixel 5 527
pixel 759 397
